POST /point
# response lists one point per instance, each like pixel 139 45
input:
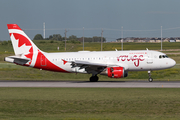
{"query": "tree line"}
pixel 58 37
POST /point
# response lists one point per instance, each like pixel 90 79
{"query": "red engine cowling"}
pixel 116 72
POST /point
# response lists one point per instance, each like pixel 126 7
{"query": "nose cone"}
pixel 172 63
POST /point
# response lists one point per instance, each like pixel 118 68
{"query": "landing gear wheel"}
pixel 150 79
pixel 94 78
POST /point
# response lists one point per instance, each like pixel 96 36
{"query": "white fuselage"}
pixel 140 60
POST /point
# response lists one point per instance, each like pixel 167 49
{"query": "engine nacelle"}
pixel 115 72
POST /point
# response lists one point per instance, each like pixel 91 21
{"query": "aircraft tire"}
pixel 94 78
pixel 150 79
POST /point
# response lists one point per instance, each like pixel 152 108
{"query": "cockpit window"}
pixel 163 56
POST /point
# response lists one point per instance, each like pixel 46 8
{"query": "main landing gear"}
pixel 150 78
pixel 94 78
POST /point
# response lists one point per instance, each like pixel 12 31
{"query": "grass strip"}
pixel 89 103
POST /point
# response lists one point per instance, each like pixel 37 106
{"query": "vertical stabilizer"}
pixel 22 44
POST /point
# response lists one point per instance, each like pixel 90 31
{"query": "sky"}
pixel 139 18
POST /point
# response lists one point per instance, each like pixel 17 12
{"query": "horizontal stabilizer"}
pixel 17 60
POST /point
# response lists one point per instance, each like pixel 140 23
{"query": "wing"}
pixel 90 67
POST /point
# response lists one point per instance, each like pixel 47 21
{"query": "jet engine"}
pixel 115 72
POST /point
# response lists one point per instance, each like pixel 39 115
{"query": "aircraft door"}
pixel 150 58
pixel 43 60
pixel 105 58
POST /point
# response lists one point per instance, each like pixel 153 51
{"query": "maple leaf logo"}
pixel 22 46
pixel 64 61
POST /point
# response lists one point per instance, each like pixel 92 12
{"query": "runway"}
pixel 86 84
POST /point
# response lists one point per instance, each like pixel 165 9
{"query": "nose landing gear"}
pixel 150 78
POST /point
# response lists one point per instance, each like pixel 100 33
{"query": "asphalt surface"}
pixel 86 84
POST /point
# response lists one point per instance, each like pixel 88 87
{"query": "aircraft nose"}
pixel 172 63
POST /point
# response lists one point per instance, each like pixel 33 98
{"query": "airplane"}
pixel 114 64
